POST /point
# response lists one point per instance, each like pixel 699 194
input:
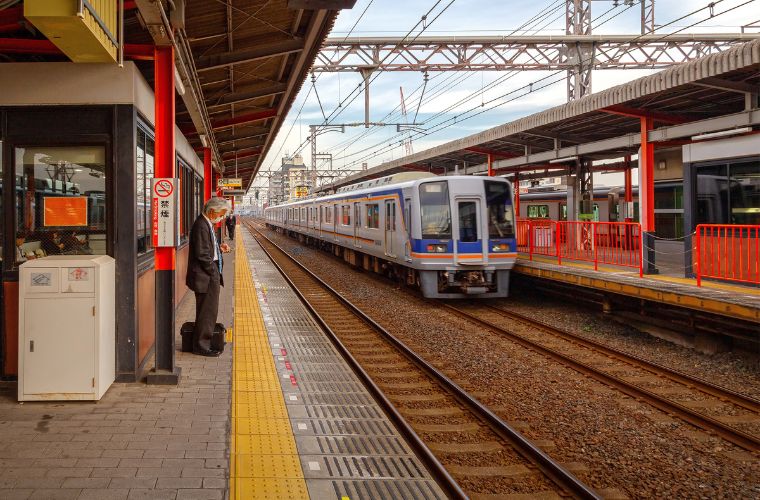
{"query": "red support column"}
pixel 516 187
pixel 490 165
pixel 165 371
pixel 646 195
pixel 207 175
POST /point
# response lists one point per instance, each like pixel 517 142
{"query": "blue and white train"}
pixel 452 236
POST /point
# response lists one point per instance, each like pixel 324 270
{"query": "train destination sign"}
pixel 165 227
pixel 229 183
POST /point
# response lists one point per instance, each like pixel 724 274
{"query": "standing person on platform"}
pixel 230 223
pixel 204 273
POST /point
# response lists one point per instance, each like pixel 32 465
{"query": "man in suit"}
pixel 230 223
pixel 204 273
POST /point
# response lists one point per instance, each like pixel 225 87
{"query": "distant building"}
pixel 290 182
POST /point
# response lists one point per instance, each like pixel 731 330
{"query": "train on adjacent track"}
pixel 450 236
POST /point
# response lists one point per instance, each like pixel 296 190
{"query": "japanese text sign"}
pixel 165 227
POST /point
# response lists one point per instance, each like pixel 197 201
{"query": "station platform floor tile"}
pixel 299 414
pixel 728 299
pixel 138 441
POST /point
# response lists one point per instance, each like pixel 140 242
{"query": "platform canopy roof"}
pixel 241 64
pixel 716 92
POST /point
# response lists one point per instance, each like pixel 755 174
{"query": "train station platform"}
pixel 303 424
pixel 736 301
pixel 278 415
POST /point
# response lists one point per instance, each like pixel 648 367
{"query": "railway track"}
pixel 714 409
pixel 468 448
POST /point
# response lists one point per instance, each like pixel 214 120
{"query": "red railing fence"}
pixel 728 252
pixel 611 243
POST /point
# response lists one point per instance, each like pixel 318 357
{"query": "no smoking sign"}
pixel 165 226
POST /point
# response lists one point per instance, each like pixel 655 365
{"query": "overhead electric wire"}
pixel 300 110
pixel 353 95
pixel 531 86
pixel 441 87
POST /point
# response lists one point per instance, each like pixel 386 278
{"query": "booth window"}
pixel 729 194
pixel 60 201
pixel 146 148
pixel 190 202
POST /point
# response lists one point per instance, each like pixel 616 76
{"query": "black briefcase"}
pixel 187 336
pixel 217 338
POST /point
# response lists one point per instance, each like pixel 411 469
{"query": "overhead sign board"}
pixel 165 227
pixel 234 192
pixel 229 183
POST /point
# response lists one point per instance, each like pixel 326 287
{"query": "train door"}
pixel 390 227
pixel 335 222
pixel 469 240
pixel 357 224
pixel 321 218
pixel 408 227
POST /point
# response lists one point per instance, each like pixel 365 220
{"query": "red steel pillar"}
pixel 646 195
pixel 165 372
pixel 490 165
pixel 516 187
pixel 207 175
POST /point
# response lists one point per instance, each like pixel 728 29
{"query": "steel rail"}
pixel 742 439
pixel 553 470
pixel 702 385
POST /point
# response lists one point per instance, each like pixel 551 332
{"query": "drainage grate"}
pixel 358 412
pixel 368 490
pixel 361 445
pixel 352 427
pixel 385 467
pixel 337 399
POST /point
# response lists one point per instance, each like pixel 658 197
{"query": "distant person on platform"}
pixel 230 223
pixel 204 273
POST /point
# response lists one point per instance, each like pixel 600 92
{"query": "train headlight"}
pixel 437 248
pixel 500 247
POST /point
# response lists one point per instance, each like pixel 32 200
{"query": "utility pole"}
pixel 581 55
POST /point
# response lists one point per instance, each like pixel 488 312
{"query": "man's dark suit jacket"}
pixel 201 266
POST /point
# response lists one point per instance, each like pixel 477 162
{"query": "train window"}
pixel 373 216
pixel 435 210
pixel 346 213
pixel 60 201
pixel 468 221
pixel 145 156
pixel 538 211
pixel 328 215
pixel 500 214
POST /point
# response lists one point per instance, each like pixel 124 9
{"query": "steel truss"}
pixel 505 53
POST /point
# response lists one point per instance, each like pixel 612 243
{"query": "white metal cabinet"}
pixel 67 337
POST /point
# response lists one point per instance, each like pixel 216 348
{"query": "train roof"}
pixel 396 181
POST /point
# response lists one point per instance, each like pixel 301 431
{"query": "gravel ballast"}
pixel 617 445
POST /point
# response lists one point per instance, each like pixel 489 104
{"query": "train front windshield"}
pixel 435 210
pixel 500 214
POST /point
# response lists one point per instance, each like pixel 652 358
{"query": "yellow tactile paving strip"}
pixel 264 461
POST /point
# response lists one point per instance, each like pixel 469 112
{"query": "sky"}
pixel 452 96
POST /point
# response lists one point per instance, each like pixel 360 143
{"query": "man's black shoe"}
pixel 210 353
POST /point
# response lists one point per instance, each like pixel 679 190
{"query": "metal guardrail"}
pixel 729 252
pixel 610 243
